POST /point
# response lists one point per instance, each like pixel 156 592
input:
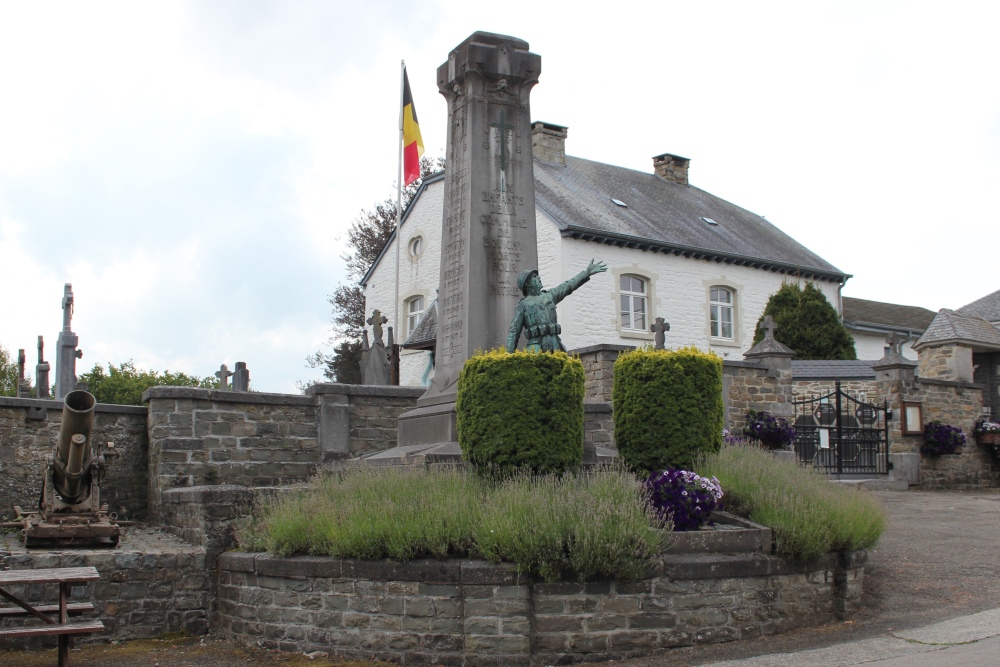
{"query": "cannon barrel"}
pixel 73 453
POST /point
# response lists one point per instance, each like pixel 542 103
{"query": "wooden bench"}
pixel 58 625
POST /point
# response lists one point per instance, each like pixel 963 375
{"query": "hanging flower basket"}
pixel 941 439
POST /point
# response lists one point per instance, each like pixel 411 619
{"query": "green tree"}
pixel 366 237
pixel 124 385
pixel 8 373
pixel 806 322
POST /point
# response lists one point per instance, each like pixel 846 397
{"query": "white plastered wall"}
pixel 679 288
pixel 872 346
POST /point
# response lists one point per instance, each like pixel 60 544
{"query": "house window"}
pixel 632 296
pixel 414 309
pixel 416 246
pixel 721 300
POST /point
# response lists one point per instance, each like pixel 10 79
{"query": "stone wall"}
pixel 955 403
pixel 747 385
pixel 474 613
pixel 29 429
pixel 151 585
pixel 207 437
pixel 598 369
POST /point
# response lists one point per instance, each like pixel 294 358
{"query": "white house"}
pixel 704 265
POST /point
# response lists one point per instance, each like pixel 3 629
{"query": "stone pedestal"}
pixel 488 229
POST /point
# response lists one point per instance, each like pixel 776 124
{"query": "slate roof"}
pixel 860 369
pixel 668 217
pixel 424 335
pixel 876 314
pixel 952 327
pixel 987 307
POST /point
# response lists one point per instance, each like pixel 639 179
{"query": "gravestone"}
pixel 223 374
pixel 42 371
pixel 67 354
pixel 241 377
pixel 488 225
pixel 23 386
pixel 376 366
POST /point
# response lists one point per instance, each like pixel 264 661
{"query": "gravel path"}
pixel 940 559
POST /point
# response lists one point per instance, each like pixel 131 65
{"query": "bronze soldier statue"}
pixel 536 312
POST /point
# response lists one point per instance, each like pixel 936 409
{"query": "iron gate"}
pixel 841 434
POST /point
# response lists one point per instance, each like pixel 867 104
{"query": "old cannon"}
pixel 69 510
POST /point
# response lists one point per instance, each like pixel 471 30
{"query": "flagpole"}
pixel 399 195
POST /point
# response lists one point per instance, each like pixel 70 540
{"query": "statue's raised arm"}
pixel 536 312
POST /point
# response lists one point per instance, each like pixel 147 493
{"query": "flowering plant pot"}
pixel 683 498
pixel 988 438
pixel 987 432
pixel 772 432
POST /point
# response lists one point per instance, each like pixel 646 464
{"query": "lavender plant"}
pixel 773 432
pixel 683 497
pixel 941 439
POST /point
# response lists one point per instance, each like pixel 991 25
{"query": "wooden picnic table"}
pixel 58 624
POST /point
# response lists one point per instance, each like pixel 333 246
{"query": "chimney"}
pixel 672 168
pixel 548 143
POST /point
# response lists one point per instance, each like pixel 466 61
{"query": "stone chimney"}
pixel 548 143
pixel 673 168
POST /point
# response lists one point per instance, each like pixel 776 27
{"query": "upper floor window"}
pixel 416 246
pixel 414 309
pixel 633 298
pixel 721 300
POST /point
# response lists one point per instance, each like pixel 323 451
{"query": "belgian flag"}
pixel 413 143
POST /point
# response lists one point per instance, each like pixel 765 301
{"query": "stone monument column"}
pixel 488 228
pixel 67 354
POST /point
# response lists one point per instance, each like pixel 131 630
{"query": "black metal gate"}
pixel 842 435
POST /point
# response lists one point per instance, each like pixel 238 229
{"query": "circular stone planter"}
pixel 710 586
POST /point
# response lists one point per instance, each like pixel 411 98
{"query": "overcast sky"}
pixel 191 168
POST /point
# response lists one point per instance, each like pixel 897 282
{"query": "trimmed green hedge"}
pixel 667 407
pixel 521 410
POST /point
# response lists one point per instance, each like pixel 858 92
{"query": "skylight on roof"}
pixel 619 202
pixel 709 220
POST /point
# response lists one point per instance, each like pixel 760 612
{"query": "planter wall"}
pixel 476 613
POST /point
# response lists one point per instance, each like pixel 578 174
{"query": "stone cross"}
pixel 223 374
pixel 67 354
pixel 241 378
pixel 659 328
pixel 767 324
pixel 42 372
pixel 896 341
pixel 377 320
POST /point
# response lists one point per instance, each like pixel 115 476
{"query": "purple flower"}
pixel 683 497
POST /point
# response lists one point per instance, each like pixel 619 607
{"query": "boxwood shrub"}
pixel 521 411
pixel 667 407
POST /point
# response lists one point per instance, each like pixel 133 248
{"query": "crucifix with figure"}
pixel 503 127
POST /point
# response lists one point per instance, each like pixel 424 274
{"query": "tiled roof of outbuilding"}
pixel 860 369
pixel 424 335
pixel 987 307
pixel 951 327
pixel 890 315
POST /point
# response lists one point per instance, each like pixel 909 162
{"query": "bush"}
pixel 940 439
pixel 125 384
pixel 806 322
pixel 667 407
pixel 808 514
pixel 772 432
pixel 586 526
pixel 521 410
pixel 683 498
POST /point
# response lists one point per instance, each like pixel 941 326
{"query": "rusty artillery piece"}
pixel 69 510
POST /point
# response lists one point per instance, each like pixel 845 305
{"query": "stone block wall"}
pixel 955 403
pixel 152 584
pixel 206 437
pixel 209 437
pixel 598 425
pixel 598 369
pixel 747 385
pixel 29 429
pixel 475 613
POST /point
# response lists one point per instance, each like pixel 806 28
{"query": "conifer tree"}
pixel 806 322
